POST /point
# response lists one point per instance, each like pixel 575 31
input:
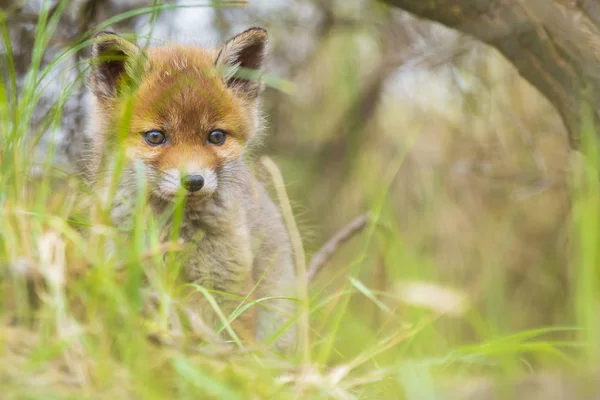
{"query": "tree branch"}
pixel 323 256
pixel 554 44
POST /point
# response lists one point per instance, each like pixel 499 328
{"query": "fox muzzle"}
pixel 192 183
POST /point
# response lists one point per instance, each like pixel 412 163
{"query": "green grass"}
pixel 92 334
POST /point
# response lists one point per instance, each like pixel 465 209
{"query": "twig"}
pixel 300 258
pixel 322 256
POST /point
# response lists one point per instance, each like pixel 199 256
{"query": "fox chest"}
pixel 218 259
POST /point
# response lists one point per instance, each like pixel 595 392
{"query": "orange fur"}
pixel 184 97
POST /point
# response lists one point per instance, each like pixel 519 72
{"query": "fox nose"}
pixel 192 183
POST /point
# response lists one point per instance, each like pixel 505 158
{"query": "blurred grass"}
pixel 107 319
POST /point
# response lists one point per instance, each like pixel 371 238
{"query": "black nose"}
pixel 192 183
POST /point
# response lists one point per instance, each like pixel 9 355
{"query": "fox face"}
pixel 183 112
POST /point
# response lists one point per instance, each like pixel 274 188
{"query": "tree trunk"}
pixel 554 44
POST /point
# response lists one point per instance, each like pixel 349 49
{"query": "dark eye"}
pixel 216 137
pixel 155 138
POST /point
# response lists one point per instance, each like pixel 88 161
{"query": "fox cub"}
pixel 192 115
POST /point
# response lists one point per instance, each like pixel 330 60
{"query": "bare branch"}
pixel 322 256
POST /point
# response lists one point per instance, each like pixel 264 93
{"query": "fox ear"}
pixel 115 63
pixel 247 50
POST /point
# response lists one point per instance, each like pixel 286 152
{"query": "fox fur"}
pixel 185 93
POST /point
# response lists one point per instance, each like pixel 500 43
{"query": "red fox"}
pixel 193 115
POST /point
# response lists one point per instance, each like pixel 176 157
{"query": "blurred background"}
pixel 470 161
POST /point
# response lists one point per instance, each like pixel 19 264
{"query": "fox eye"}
pixel 216 137
pixel 155 138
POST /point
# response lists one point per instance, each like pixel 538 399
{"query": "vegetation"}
pixel 461 283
